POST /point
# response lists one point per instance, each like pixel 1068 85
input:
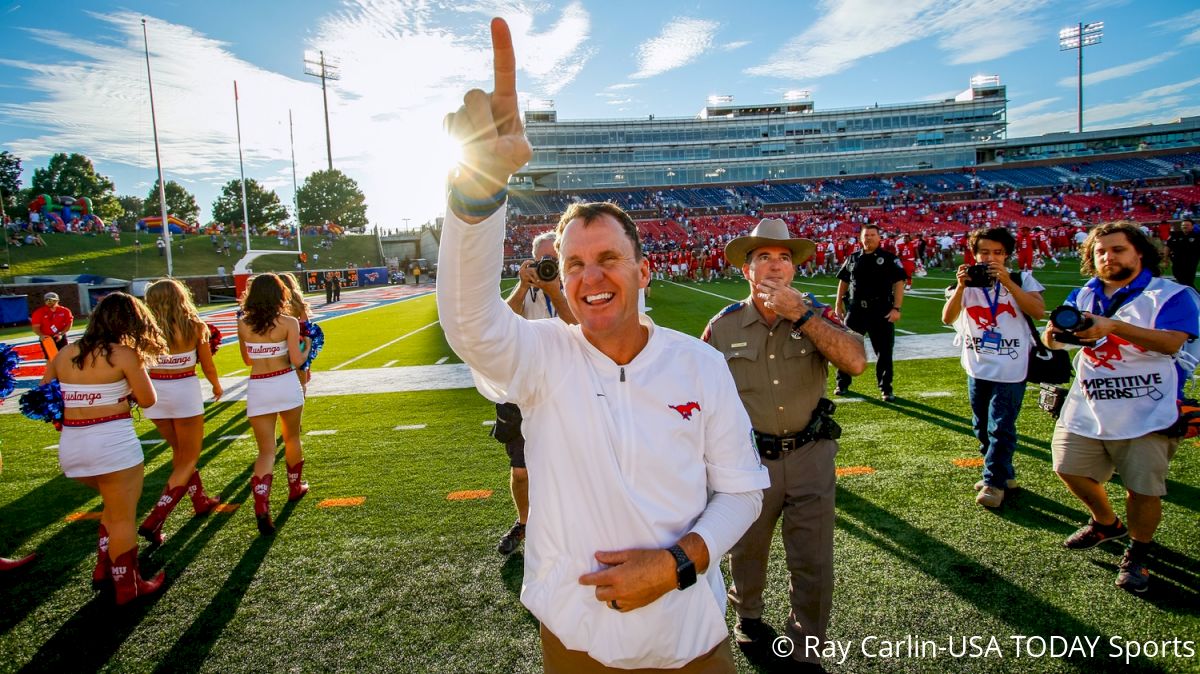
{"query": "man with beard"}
pixel 1124 393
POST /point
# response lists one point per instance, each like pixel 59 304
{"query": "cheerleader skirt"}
pixel 98 446
pixel 178 397
pixel 273 392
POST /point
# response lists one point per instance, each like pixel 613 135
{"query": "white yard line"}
pixel 409 427
pixel 389 363
pixel 935 394
pixel 441 360
pixel 329 432
pixel 234 437
pixel 489 422
pixel 383 346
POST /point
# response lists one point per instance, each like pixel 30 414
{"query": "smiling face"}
pixel 602 275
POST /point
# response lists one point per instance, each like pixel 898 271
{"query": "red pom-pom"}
pixel 214 337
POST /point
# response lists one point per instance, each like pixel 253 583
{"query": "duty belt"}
pixel 774 446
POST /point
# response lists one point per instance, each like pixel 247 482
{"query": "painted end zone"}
pixel 968 463
pixel 854 470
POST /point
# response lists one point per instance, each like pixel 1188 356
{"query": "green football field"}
pixel 389 563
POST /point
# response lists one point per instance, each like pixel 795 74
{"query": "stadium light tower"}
pixel 1077 37
pixel 326 70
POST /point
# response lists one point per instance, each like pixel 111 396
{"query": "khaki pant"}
pixel 558 659
pixel 803 484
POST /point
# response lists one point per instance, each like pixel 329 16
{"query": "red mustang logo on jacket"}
pixel 685 411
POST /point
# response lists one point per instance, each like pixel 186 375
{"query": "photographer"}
pixel 986 308
pixel 1131 323
pixel 532 298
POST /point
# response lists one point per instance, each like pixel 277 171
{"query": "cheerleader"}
pixel 271 346
pixel 298 308
pixel 99 376
pixel 179 413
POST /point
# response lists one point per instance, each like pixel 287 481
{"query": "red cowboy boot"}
pixel 128 582
pixel 151 528
pixel 100 575
pixel 296 488
pixel 261 488
pixel 202 503
pixel 7 564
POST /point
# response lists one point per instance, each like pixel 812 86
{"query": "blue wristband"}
pixel 477 208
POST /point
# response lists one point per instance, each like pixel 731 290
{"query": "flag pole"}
pixel 162 188
pixel 241 167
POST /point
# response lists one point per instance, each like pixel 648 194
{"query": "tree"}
pixel 10 182
pixel 263 205
pixel 131 207
pixel 331 196
pixel 71 176
pixel 180 202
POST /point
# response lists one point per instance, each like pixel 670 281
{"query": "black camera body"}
pixel 546 269
pixel 979 276
pixel 1069 320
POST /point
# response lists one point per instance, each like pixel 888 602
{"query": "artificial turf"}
pixel 410 581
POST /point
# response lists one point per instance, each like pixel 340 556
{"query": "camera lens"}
pixel 1066 318
pixel 547 269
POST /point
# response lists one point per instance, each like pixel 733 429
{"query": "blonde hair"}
pixel 119 319
pixel 297 307
pixel 171 303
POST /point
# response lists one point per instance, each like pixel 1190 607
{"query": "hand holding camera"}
pixel 541 274
pixel 983 274
pixel 1069 325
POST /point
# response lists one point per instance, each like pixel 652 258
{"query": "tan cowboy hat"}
pixel 768 232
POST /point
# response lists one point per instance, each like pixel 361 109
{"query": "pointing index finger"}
pixel 504 60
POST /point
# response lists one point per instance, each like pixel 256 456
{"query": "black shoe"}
pixel 1134 576
pixel 841 390
pixel 512 540
pixel 753 631
pixel 888 397
pixel 1092 534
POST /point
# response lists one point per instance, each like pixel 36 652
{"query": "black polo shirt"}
pixel 871 276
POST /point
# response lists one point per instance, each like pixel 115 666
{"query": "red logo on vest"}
pixel 983 317
pixel 685 411
pixel 1104 353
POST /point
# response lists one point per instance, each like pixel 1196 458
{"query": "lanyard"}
pixel 1107 307
pixel 992 303
pixel 546 299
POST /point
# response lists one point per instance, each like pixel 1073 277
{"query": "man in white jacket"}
pixel 646 472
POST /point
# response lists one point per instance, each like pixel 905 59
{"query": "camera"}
pixel 979 276
pixel 546 269
pixel 1069 320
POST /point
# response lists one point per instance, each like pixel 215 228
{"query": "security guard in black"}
pixel 870 294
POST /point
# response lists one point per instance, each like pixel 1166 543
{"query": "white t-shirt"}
pixel 623 456
pixel 995 347
pixel 537 305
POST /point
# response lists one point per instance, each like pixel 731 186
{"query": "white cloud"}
pixel 1189 23
pixel 619 101
pixel 1116 71
pixel 847 31
pixel 941 95
pixel 1020 111
pixel 681 41
pixel 1147 106
pixel 623 85
pixel 403 65
pixel 737 44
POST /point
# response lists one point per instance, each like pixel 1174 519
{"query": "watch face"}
pixel 686 575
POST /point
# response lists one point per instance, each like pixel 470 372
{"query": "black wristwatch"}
pixel 685 569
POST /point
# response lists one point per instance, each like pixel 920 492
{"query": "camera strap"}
pixel 1119 299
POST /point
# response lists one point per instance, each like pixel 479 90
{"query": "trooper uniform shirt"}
pixel 870 277
pixel 780 378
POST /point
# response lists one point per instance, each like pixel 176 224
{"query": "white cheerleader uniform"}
pixel 90 447
pixel 179 395
pixel 272 392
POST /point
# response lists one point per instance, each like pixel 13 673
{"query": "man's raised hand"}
pixel 489 126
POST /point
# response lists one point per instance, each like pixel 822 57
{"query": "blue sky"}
pixel 73 74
